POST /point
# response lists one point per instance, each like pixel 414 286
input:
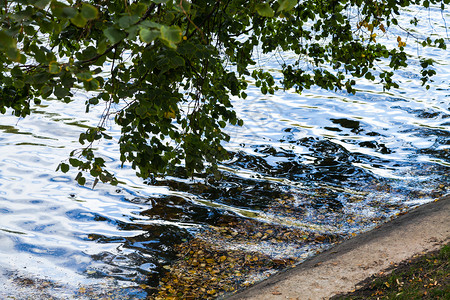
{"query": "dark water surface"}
pixel 306 171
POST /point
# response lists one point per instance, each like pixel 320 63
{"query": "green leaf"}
pixel 147 24
pixel 264 10
pixel 69 12
pixel 29 30
pixel 286 5
pixel 6 41
pixel 22 59
pixel 16 72
pixel 13 54
pixel 91 85
pixel 61 92
pixel 114 35
pixel 89 11
pixel 81 180
pixel 19 84
pixel 185 6
pixel 101 47
pixel 132 32
pixel 95 172
pixel 95 182
pixel 46 91
pixel 75 162
pixel 61 10
pixel 172 35
pixel 160 1
pixel 177 61
pixel 79 20
pixel 40 77
pixel 39 55
pixel 148 36
pixel 54 67
pixel 41 4
pixel 84 76
pixel 64 167
pixel 127 21
pixel 139 8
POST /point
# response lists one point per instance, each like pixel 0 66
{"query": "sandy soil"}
pixel 340 269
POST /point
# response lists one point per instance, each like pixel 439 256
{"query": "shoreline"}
pixel 340 268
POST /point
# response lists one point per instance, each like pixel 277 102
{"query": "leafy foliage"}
pixel 174 64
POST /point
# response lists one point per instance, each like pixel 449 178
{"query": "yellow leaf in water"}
pixel 320 238
pixel 223 258
pixel 210 260
pixel 82 290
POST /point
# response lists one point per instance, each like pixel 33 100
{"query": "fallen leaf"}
pixel 276 293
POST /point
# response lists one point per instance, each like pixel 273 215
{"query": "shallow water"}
pixel 323 163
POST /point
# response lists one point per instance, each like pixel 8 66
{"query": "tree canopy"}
pixel 172 66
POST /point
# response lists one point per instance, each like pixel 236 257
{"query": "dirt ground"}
pixel 340 269
pixel 425 277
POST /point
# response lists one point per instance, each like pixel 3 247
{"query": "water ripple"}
pixel 323 162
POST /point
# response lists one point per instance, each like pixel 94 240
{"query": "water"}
pixel 306 171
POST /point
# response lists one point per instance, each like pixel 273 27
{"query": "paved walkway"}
pixel 341 268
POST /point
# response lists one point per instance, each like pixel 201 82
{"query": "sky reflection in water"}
pixel 312 162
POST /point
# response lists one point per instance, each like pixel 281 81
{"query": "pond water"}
pixel 306 171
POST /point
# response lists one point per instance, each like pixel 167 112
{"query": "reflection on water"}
pixel 305 171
